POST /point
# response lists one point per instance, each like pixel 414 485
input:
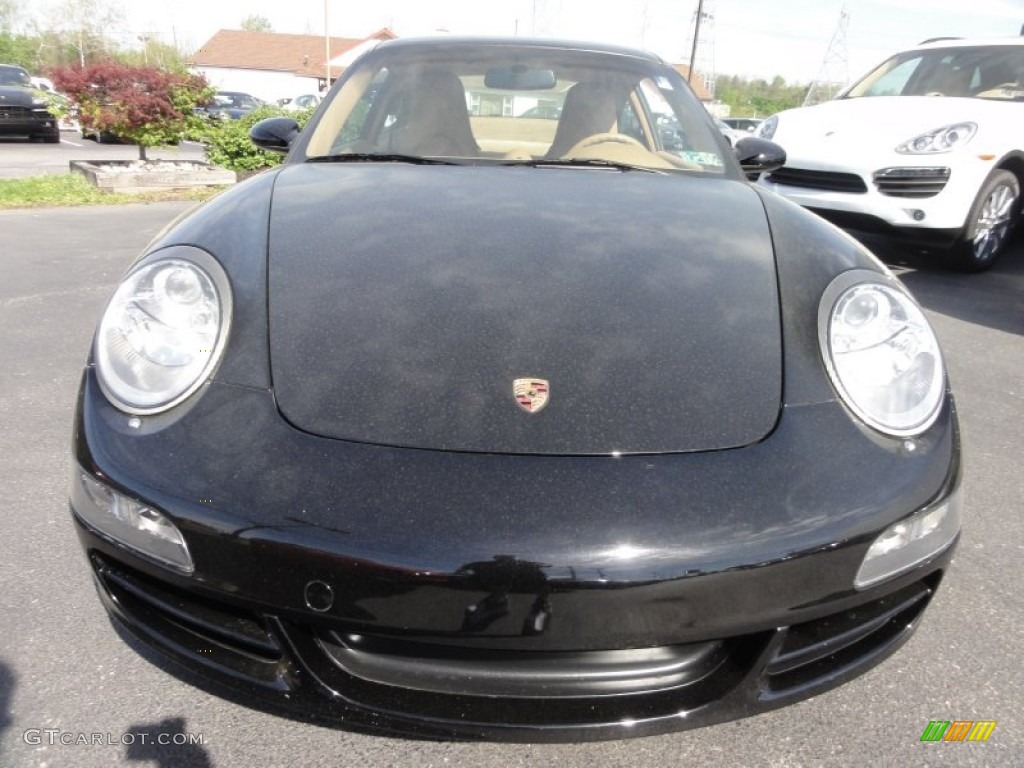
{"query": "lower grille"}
pixel 234 640
pixel 15 113
pixel 911 182
pixel 827 180
pixel 442 669
pixel 716 669
pixel 817 651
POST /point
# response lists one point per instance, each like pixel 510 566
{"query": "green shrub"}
pixel 229 145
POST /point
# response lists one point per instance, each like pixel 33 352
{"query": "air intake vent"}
pixel 826 180
pixel 911 182
pixel 825 648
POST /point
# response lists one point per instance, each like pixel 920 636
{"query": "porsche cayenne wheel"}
pixel 989 225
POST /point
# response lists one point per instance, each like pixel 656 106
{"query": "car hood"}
pixel 18 96
pixel 404 301
pixel 881 123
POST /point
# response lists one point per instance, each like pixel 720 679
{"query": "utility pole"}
pixel 696 39
pixel 327 49
pixel 702 47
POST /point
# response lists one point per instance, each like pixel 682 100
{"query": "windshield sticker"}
pixel 701 158
pixel 664 84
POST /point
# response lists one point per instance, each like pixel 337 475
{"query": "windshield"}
pixel 516 104
pixel 14 76
pixel 982 72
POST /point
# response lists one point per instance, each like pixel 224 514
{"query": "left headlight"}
pixel 767 127
pixel 163 331
pixel 881 353
pixel 940 140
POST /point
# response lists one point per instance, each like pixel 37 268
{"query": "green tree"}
pixel 18 49
pixel 86 24
pixel 256 23
pixel 155 52
pixel 10 15
pixel 755 97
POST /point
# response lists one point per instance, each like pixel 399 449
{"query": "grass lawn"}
pixel 73 189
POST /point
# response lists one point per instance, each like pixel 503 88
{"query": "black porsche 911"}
pixel 466 422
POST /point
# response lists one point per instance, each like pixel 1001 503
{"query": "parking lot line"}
pixel 73 144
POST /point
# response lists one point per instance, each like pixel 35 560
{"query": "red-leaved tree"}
pixel 146 105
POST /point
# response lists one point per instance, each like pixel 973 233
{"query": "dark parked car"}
pixel 231 105
pixel 25 110
pixel 545 111
pixel 748 124
pixel 461 425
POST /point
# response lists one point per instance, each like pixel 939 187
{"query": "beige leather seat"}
pixel 435 120
pixel 589 108
pixel 950 81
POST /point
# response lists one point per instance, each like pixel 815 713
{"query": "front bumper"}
pixel 17 121
pixel 922 198
pixel 469 600
pixel 302 670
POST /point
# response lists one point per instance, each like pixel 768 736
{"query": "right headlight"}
pixel 129 522
pixel 163 331
pixel 881 353
pixel 940 140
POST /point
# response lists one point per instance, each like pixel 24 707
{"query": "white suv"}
pixel 929 145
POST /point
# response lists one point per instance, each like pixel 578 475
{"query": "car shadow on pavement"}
pixel 167 743
pixel 7 680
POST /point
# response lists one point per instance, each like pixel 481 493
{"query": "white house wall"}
pixel 261 83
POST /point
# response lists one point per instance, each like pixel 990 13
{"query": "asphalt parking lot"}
pixel 29 158
pixel 63 668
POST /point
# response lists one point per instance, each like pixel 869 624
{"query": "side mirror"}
pixel 759 156
pixel 275 134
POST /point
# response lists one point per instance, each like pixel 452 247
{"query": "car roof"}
pixel 426 43
pixel 968 42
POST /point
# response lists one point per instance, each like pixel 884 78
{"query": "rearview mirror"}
pixel 520 78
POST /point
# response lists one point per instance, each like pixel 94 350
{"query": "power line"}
pixel 835 68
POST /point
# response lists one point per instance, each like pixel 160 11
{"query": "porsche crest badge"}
pixel 531 394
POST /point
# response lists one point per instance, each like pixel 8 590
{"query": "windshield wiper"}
pixel 584 162
pixel 377 157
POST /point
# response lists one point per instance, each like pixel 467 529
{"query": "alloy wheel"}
pixel 994 222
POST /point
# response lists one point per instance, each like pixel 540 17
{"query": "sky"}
pixel 755 38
